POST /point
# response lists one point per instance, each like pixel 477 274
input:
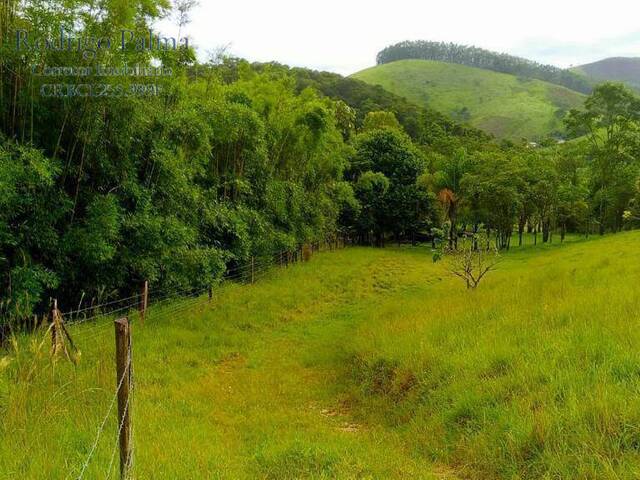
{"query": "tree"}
pixel 632 216
pixel 469 263
pixel 370 190
pixel 496 185
pixel 447 182
pixel 378 120
pixel 30 208
pixel 405 204
pixel 573 190
pixel 543 192
pixel 345 119
pixel 182 12
pixel 611 120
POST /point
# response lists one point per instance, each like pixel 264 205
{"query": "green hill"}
pixel 472 56
pixel 615 69
pixel 502 104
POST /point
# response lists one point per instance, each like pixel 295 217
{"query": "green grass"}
pixel 502 104
pixel 362 363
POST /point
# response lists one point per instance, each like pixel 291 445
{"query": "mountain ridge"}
pixel 615 69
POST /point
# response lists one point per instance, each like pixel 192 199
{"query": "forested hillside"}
pixel 230 161
pixel 226 162
pixel 423 124
pixel 481 58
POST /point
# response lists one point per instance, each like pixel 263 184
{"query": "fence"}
pixel 97 319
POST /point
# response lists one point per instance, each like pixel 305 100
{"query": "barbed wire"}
pixel 183 303
pixel 259 272
pixel 259 262
pixel 104 420
pixel 95 307
pixel 255 271
pixel 187 298
pixel 239 271
pixel 100 315
pixel 115 446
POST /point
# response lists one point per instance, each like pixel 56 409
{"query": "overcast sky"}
pixel 344 35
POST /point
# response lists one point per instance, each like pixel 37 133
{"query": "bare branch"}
pixel 471 263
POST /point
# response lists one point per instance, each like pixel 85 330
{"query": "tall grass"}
pixel 359 364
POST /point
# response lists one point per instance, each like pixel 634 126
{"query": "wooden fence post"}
pixel 59 333
pixel 123 383
pixel 210 293
pixel 144 299
pixel 55 342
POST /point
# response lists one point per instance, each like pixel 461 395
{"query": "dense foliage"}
pixel 385 169
pixel 481 58
pixel 229 161
pixel 611 122
pixel 424 125
pixel 97 194
pixel 232 160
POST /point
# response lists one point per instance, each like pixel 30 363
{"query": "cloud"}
pixel 345 35
pixel 566 54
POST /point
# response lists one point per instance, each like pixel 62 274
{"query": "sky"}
pixel 344 36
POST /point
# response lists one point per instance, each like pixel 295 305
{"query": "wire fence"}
pixel 151 304
pixel 251 271
pixel 102 425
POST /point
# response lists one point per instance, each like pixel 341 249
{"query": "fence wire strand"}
pixel 115 445
pixel 185 299
pixel 85 465
pixel 257 271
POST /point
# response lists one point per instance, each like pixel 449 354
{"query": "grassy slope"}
pixel 364 364
pixel 501 104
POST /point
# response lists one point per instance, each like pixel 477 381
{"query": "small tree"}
pixel 474 258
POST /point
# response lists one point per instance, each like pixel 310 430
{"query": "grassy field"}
pixel 362 363
pixel 502 104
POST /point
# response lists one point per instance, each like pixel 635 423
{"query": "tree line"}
pixel 234 160
pixel 230 161
pixel 481 58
